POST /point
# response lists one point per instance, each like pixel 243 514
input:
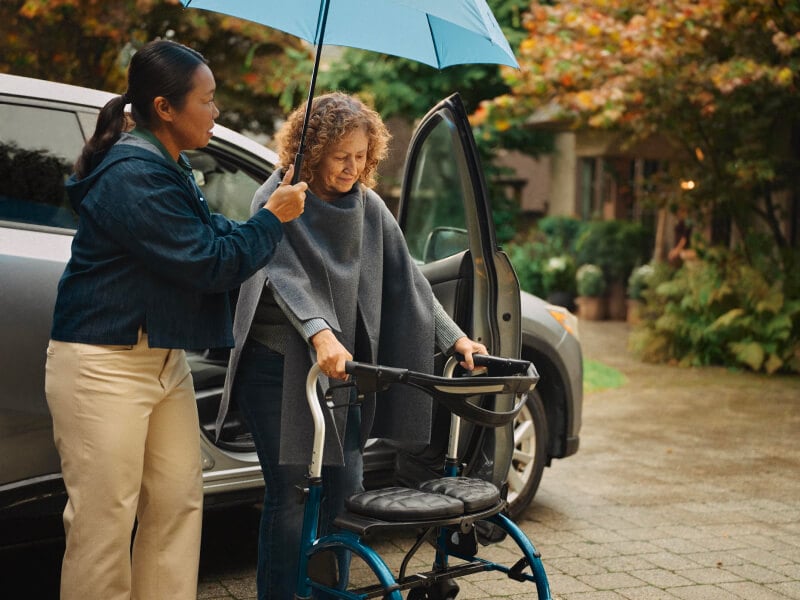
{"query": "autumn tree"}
pixel 717 78
pixel 261 73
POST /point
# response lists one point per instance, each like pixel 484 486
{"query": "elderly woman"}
pixel 341 285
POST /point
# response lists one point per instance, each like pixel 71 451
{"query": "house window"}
pixel 587 205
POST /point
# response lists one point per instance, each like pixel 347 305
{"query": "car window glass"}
pixel 88 122
pixel 38 148
pixel 227 188
pixel 435 221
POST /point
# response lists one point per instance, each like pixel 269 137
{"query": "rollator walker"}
pixel 443 512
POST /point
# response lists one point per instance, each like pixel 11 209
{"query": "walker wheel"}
pixel 446 589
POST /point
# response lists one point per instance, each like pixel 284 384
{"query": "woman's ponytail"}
pixel 111 122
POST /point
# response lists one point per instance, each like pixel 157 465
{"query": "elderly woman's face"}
pixel 341 166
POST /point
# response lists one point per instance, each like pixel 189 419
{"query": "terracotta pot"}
pixel 591 308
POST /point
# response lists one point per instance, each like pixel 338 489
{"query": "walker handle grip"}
pixel 498 366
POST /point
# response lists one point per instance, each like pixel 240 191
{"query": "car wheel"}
pixel 527 464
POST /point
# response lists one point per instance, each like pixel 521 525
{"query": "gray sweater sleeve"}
pixel 447 332
pixel 307 329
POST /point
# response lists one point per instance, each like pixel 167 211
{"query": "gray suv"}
pixel 445 215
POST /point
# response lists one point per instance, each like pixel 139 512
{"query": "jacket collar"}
pixel 182 164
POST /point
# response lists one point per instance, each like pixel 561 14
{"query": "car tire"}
pixel 528 462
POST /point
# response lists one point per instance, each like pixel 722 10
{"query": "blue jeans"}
pixel 257 390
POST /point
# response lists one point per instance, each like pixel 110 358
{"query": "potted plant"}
pixel 616 246
pixel 558 278
pixel 591 285
pixel 637 283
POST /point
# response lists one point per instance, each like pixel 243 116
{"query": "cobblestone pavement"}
pixel 686 486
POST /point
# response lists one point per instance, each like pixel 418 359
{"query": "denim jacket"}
pixel 149 253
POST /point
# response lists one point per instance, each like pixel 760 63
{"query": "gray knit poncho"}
pixel 345 262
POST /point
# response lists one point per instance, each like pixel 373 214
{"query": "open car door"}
pixel 445 214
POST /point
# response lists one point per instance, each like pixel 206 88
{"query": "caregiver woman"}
pixel 149 276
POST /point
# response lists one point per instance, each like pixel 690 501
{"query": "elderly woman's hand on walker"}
pixel 467 347
pixel 331 354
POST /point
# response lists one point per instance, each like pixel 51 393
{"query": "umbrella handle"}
pixel 298 163
pixel 321 24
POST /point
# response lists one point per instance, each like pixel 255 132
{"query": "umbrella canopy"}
pixel 439 33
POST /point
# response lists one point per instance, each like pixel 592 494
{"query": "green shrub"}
pixel 543 264
pixel 528 261
pixel 561 232
pixel 590 280
pixel 719 310
pixel 615 246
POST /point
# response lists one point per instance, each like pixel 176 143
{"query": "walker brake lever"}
pixel 339 386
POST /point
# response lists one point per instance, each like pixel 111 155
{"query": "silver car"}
pixel 447 221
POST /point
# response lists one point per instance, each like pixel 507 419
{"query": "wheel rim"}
pixel 524 454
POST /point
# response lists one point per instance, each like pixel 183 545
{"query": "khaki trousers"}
pixel 126 428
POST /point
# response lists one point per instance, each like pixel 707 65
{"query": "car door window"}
pixel 228 188
pixel 38 147
pixel 435 220
pixel 446 218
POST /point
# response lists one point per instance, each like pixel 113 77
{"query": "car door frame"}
pixel 494 315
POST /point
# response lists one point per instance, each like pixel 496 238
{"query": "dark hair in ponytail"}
pixel 160 68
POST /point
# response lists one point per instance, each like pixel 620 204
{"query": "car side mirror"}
pixel 443 242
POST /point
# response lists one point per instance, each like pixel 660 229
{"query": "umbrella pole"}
pixel 298 159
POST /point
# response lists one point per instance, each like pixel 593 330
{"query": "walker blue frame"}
pixel 518 377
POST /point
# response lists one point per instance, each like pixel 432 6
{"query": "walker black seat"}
pixel 476 494
pixel 365 525
pixel 404 504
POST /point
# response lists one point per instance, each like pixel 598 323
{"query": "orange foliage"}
pixel 261 72
pixel 595 62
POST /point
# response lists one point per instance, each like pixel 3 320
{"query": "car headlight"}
pixel 567 320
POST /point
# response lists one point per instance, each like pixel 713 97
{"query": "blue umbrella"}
pixel 439 33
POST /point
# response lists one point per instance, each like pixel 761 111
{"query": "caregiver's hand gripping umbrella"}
pixel 439 33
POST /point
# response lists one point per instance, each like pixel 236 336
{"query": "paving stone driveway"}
pixel 686 485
